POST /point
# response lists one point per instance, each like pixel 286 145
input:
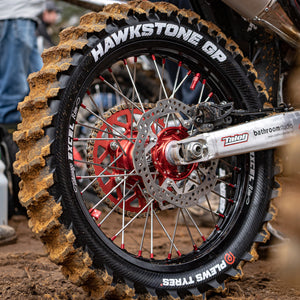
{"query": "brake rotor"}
pixel 181 186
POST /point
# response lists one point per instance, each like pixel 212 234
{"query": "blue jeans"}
pixel 18 58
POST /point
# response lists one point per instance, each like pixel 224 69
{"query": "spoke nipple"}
pixel 110 70
pixel 203 238
pixel 82 105
pixel 169 255
pixel 180 64
pixel 232 185
pixel 179 253
pixel 153 57
pixel 151 255
pixel 140 253
pixel 164 61
pixel 217 227
pixel 204 81
pixel 113 238
pixel 195 247
pixel 99 225
pixel 101 78
pixel 237 169
pixel 123 246
pixel 88 92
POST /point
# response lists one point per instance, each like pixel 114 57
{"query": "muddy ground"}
pixel 26 272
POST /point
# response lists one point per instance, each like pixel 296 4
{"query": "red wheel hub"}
pixel 162 165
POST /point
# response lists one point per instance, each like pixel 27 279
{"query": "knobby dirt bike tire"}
pixel 58 217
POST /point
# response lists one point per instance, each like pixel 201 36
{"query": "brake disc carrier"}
pixel 167 183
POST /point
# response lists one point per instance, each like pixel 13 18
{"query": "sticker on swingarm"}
pixel 154 29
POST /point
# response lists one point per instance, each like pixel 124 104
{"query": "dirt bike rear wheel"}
pixel 81 235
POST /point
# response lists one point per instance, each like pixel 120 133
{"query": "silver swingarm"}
pixel 262 134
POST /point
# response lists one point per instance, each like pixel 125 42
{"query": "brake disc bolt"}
pixel 114 146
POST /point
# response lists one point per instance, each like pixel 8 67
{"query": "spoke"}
pixel 151 233
pixel 221 179
pixel 112 190
pixel 98 165
pixel 162 75
pixel 225 177
pixel 94 103
pixel 181 83
pixel 115 160
pixel 184 184
pixel 206 209
pixel 134 86
pixel 123 214
pixel 211 211
pixel 209 96
pixel 116 205
pixel 123 228
pixel 221 196
pixel 133 92
pixel 92 127
pixel 174 233
pixel 188 229
pixel 104 121
pixel 176 78
pixel 165 231
pixel 126 99
pixel 235 168
pixel 144 232
pixel 106 176
pixel 97 87
pixel 134 76
pixel 159 76
pixel 114 79
pixel 166 122
pixel 100 139
pixel 194 223
pixel 202 90
pixel 191 179
pixel 130 107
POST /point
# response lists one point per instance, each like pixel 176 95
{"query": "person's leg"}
pixel 17 44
